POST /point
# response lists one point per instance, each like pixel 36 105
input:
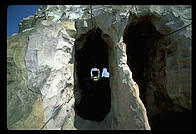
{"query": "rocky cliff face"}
pixel 24 106
pixel 150 73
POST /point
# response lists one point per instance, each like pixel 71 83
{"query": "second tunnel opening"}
pixel 95 101
pixel 146 59
pixel 140 39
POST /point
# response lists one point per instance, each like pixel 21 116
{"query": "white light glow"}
pixel 105 73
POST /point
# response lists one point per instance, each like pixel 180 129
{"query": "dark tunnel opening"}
pixel 95 101
pixel 172 120
pixel 140 41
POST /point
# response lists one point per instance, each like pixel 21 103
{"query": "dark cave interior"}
pixel 95 102
pixel 172 120
pixel 140 38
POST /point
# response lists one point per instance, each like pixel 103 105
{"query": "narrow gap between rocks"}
pixel 95 100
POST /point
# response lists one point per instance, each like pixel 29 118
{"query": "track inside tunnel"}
pixel 95 100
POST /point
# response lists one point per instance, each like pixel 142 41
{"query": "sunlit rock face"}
pixel 140 92
pixel 24 106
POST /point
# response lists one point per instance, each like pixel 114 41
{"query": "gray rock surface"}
pixel 24 107
pixel 45 64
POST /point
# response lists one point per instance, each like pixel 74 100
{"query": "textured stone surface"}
pixel 22 104
pixel 127 108
pixel 26 23
pixel 49 62
pixel 45 63
pixel 168 74
pixel 177 49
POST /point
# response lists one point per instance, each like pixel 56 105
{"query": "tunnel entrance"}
pixel 95 102
pixel 144 57
pixel 140 39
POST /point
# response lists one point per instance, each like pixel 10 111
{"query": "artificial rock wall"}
pixel 50 65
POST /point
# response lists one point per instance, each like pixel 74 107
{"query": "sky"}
pixel 15 13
